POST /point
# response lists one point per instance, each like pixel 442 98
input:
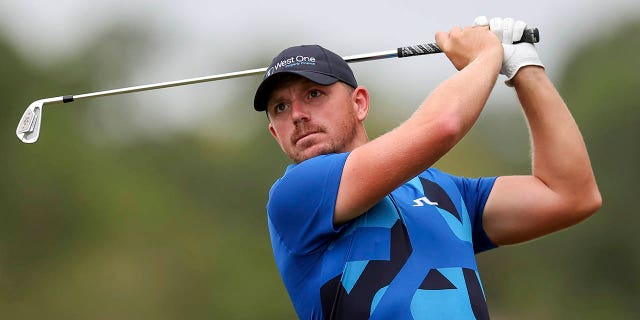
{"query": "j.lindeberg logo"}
pixel 291 62
pixel 420 202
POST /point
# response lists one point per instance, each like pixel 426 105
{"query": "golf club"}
pixel 28 129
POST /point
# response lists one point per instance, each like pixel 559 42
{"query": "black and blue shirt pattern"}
pixel 411 256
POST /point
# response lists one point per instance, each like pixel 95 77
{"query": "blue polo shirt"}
pixel 411 256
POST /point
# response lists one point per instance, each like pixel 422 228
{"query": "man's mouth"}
pixel 304 135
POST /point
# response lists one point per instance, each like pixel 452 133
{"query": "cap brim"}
pixel 264 90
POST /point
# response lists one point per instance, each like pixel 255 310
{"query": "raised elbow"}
pixel 594 204
pixel 450 129
pixel 587 204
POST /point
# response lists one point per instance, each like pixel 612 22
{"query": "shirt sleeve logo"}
pixel 420 202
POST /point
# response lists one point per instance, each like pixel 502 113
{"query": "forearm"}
pixel 560 158
pixel 444 117
pixel 438 124
pixel 461 98
pixel 561 190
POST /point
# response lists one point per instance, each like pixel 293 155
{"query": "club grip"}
pixel 530 35
pixel 418 50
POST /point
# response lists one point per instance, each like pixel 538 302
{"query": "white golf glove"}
pixel 516 56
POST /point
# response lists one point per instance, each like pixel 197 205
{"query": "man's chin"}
pixel 311 152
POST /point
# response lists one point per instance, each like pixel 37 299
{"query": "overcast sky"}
pixel 198 38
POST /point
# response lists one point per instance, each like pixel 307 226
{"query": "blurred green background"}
pixel 97 226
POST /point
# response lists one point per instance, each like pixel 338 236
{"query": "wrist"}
pixel 491 57
pixel 528 74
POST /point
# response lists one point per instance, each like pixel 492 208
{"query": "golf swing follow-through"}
pixel 369 229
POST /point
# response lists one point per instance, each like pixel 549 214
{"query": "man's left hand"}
pixel 517 55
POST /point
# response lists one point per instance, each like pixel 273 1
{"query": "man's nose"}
pixel 299 111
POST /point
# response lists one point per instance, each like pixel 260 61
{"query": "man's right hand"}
pixel 462 46
pixel 516 56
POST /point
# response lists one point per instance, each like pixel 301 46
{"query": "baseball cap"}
pixel 310 61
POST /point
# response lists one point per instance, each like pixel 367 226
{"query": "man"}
pixel 367 229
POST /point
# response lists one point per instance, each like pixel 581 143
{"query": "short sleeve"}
pixel 301 203
pixel 475 192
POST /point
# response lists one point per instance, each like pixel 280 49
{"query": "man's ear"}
pixel 360 99
pixel 273 131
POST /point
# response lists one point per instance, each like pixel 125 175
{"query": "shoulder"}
pixel 313 169
pixel 316 165
pixel 301 204
pixel 310 177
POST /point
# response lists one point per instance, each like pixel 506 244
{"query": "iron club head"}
pixel 29 126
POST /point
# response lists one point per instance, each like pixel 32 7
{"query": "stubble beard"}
pixel 338 142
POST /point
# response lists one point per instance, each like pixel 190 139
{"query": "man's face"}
pixel 308 119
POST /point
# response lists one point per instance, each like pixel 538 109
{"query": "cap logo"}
pixel 291 62
pixel 269 71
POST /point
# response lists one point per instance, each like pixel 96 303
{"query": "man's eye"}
pixel 280 107
pixel 315 93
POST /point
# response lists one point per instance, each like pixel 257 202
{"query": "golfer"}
pixel 368 229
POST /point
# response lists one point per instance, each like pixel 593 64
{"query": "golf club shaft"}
pixel 161 85
pixel 28 129
pixel 530 35
pixel 222 76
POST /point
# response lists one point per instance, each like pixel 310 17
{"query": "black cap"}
pixel 310 61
